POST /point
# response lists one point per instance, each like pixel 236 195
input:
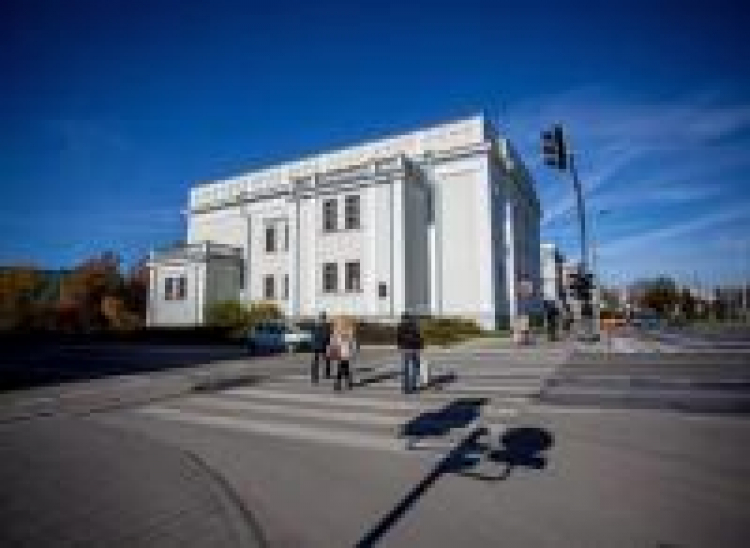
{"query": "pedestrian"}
pixel 410 343
pixel 343 347
pixel 321 337
pixel 552 314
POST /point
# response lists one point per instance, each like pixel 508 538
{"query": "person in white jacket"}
pixel 342 348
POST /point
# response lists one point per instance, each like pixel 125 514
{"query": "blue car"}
pixel 273 337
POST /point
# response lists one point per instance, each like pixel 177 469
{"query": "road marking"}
pixel 348 438
pixel 346 400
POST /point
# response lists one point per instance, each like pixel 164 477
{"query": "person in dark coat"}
pixel 410 343
pixel 552 315
pixel 321 337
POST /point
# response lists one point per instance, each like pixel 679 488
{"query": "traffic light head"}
pixel 554 148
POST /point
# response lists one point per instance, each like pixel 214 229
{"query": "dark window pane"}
pixel 270 239
pixel 329 216
pixel 268 287
pixel 382 290
pixel 351 212
pixel 353 277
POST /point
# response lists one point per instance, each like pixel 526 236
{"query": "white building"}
pixel 443 221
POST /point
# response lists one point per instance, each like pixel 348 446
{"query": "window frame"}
pixel 168 288
pixel 269 295
pixel 270 238
pixel 349 269
pixel 330 215
pixel 181 288
pixel 330 269
pixel 352 212
pixel 382 290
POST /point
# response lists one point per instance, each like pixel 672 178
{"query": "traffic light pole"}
pixel 581 214
pixel 586 307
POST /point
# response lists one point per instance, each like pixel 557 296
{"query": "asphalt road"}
pixel 484 457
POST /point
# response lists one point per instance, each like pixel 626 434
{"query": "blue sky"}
pixel 112 110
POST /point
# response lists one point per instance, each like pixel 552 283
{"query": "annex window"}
pixel 330 278
pixel 330 221
pixel 351 212
pixel 268 288
pixel 270 239
pixel 352 277
pixel 181 288
pixel 175 289
pixel 286 287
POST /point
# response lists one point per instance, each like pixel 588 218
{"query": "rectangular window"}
pixel 286 237
pixel 286 286
pixel 181 288
pixel 382 290
pixel 351 212
pixel 330 278
pixel 268 288
pixel 352 277
pixel 270 239
pixel 175 289
pixel 329 215
pixel 168 284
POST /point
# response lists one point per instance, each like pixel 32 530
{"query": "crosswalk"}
pixel 484 390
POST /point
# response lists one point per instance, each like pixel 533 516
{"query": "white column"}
pixel 313 228
pixel 435 243
pixel 397 248
pixel 510 259
pixel 247 291
pixel 293 255
pixel 153 293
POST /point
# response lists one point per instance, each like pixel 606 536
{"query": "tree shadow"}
pixel 517 447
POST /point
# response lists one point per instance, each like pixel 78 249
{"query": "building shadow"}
pixel 516 448
pixel 31 363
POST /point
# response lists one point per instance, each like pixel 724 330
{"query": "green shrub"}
pixel 263 311
pixel 446 331
pixel 237 319
pixel 230 315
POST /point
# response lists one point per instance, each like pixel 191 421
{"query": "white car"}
pixel 269 337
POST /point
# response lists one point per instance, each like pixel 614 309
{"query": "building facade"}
pixel 443 221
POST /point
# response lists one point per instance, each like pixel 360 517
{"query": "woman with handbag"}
pixel 342 349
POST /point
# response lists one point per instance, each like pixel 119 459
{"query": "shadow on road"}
pixel 40 363
pixel 521 447
pixel 374 379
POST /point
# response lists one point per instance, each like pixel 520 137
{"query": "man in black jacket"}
pixel 409 343
pixel 321 337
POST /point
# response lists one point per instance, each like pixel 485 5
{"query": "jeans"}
pixel 344 372
pixel 315 366
pixel 409 371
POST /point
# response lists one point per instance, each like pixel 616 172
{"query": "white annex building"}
pixel 442 221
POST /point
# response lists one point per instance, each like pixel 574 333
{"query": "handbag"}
pixel 333 351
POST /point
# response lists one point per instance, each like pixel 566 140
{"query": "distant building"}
pixel 552 269
pixel 443 221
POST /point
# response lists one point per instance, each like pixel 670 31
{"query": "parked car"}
pixel 646 320
pixel 270 337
